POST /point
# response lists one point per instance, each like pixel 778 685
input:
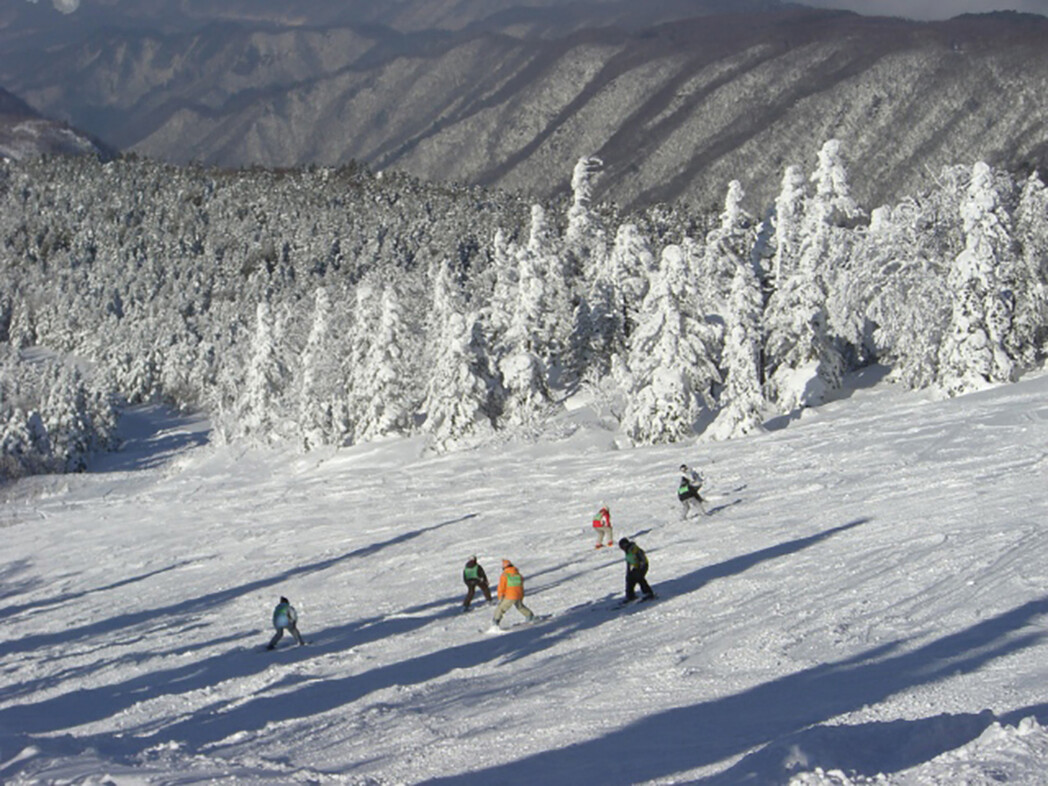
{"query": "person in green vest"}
pixel 688 491
pixel 636 570
pixel 285 616
pixel 474 576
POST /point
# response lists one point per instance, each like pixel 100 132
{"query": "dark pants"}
pixel 635 576
pixel 471 587
pixel 280 634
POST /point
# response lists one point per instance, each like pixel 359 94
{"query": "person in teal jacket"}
pixel 285 616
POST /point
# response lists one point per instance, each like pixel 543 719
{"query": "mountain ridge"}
pixel 676 110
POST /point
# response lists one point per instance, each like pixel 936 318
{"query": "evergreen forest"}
pixel 338 306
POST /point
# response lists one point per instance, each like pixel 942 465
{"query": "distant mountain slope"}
pixel 514 98
pixel 24 132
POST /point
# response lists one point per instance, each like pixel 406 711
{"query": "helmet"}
pixel 624 543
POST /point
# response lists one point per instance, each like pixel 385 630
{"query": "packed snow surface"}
pixel 867 602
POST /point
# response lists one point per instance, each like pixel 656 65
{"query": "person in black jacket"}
pixel 473 576
pixel 636 570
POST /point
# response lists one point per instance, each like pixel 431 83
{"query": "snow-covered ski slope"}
pixel 869 598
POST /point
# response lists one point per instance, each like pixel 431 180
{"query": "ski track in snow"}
pixel 866 604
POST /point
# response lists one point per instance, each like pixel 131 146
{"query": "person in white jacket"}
pixel 688 491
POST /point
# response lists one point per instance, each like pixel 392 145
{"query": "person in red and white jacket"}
pixel 602 523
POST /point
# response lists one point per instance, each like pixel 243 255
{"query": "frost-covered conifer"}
pixel 584 239
pixel 742 400
pixel 1028 340
pixel 522 368
pixel 632 263
pixel 258 408
pixel 318 374
pixel 671 367
pixel 789 211
pixel 803 364
pixel 386 373
pixel 727 246
pixel 974 353
pixel 463 398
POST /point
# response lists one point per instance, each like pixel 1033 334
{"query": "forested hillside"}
pixel 335 306
pixel 678 98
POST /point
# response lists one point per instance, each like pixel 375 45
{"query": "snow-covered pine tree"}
pixel 317 376
pixel 526 345
pixel 898 285
pixel 789 211
pixel 974 354
pixel 743 407
pixel 802 362
pixel 386 373
pixel 671 368
pixel 463 397
pixel 632 264
pixel 1028 340
pixel 258 407
pixel 729 245
pixel 505 289
pixel 601 315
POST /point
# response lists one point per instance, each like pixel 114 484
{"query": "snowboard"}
pixel 495 630
pixel 644 600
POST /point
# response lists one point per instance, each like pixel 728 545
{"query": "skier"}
pixel 474 576
pixel 602 523
pixel 511 593
pixel 688 491
pixel 284 616
pixel 636 570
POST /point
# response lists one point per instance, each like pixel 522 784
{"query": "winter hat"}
pixel 624 543
pixel 507 564
pixel 284 600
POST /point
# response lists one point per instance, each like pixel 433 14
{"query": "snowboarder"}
pixel 602 523
pixel 636 570
pixel 511 593
pixel 284 616
pixel 474 576
pixel 688 491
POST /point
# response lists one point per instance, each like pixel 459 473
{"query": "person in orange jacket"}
pixel 602 523
pixel 511 593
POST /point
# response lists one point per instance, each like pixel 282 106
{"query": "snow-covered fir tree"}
pixel 974 353
pixel 258 410
pixel 743 407
pixel 386 373
pixel 803 362
pixel 317 375
pixel 671 367
pixel 897 285
pixel 1027 341
pixel 729 245
pixel 789 210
